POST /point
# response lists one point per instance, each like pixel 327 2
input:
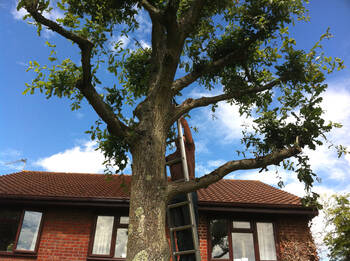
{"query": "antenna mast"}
pixel 24 161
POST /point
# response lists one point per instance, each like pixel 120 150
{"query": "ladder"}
pixel 193 226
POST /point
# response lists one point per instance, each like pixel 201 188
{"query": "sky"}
pixel 51 137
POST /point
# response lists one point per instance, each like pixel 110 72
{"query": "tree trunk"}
pixel 147 235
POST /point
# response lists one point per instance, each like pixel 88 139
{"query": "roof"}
pixel 59 186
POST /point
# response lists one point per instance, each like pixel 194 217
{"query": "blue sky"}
pixel 51 137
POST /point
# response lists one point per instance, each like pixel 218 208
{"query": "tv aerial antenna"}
pixel 24 161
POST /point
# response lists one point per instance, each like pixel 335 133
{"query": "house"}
pixel 71 216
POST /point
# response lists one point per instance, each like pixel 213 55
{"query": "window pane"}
pixel 241 224
pixel 243 247
pixel 103 235
pixel 122 240
pixel 266 241
pixel 219 239
pixel 124 220
pixel 9 220
pixel 29 231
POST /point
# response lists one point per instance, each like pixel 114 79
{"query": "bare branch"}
pixel 103 110
pixel 273 158
pixel 190 104
pixel 186 80
pixel 106 113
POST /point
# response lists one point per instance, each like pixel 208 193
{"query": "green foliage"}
pixel 113 147
pixel 137 70
pixel 60 80
pixel 252 36
pixel 338 216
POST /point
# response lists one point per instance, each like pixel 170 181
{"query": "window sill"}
pixel 18 255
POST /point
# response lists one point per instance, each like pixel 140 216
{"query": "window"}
pixel 266 241
pixel 219 239
pixel 19 231
pixel 110 237
pixel 242 240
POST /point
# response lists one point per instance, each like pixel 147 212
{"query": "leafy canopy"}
pixel 240 48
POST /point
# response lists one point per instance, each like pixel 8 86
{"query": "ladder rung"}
pixel 179 180
pixel 178 204
pixel 174 161
pixel 185 252
pixel 172 229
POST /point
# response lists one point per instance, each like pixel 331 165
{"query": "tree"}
pixel 241 48
pixel 338 239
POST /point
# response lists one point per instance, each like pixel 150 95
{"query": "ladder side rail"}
pixel 183 152
pixel 189 195
pixel 194 228
pixel 171 235
pixel 170 224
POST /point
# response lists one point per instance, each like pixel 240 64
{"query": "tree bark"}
pixel 147 227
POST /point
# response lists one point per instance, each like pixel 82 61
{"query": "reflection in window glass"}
pixel 266 241
pixel 9 220
pixel 219 239
pixel 124 220
pixel 120 245
pixel 29 231
pixel 243 247
pixel 103 235
pixel 241 224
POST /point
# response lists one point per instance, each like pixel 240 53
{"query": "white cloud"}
pixel 269 177
pixel 18 15
pixel 228 122
pixel 82 158
pixel 145 25
pixel 201 169
pixel 201 146
pixel 215 163
pixel 144 44
pixel 122 39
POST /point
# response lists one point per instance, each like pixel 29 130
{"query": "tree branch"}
pixel 192 15
pixel 190 104
pixel 273 158
pixel 152 10
pixel 213 66
pixel 186 80
pixel 106 113
pixel 38 17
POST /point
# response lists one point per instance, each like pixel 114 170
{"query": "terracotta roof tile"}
pixel 58 185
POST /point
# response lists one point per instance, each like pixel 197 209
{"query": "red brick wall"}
pixel 296 242
pixel 66 234
pixel 295 228
pixel 202 234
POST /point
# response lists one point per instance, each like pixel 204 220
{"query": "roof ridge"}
pixel 280 189
pixel 61 172
pixel 245 180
